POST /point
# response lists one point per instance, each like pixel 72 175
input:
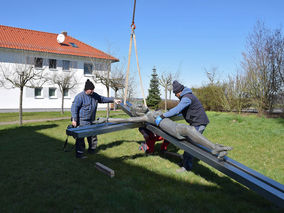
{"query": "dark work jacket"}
pixel 194 113
pixel 191 109
pixel 84 107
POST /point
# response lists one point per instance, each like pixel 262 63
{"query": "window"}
pixel 88 68
pixel 38 62
pixel 65 65
pixel 52 63
pixel 38 92
pixel 73 44
pixel 52 92
pixel 65 93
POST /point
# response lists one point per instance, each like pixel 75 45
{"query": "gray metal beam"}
pixel 264 186
pixel 98 129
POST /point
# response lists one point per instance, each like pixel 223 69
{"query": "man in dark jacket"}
pixel 192 111
pixel 83 110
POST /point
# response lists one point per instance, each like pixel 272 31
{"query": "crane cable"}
pixel 132 37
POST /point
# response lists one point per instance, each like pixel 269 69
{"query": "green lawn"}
pixel 37 176
pixel 14 116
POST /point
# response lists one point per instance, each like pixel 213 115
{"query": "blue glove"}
pixel 158 120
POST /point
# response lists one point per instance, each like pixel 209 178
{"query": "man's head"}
pixel 89 87
pixel 177 88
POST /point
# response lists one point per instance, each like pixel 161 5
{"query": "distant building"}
pixel 52 53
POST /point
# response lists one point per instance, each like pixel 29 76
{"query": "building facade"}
pixel 53 56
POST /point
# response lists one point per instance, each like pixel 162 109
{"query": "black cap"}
pixel 177 87
pixel 89 85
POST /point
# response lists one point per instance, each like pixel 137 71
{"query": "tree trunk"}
pixel 107 103
pixel 62 104
pixel 21 106
pixel 166 97
pixel 114 104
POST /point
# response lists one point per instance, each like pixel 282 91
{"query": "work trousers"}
pixel 80 145
pixel 187 158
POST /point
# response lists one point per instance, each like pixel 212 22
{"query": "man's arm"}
pixel 103 99
pixel 176 110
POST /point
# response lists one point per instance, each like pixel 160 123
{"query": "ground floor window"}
pixel 38 92
pixel 66 93
pixel 52 92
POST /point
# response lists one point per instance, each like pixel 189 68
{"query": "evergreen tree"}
pixel 154 98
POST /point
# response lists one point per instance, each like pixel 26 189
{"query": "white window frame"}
pixel 49 63
pixel 55 93
pixel 35 63
pixel 68 94
pixel 41 93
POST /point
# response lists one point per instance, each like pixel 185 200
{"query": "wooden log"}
pixel 105 169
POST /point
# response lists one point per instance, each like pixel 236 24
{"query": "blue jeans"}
pixel 187 158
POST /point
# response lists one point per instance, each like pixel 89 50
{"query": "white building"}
pixel 52 55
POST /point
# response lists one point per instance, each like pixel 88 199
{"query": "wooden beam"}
pixel 105 169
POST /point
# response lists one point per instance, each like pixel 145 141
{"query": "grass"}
pixel 14 116
pixel 37 176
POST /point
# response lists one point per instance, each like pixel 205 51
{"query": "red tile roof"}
pixel 24 39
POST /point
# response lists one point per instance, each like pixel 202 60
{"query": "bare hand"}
pixel 74 123
pixel 117 101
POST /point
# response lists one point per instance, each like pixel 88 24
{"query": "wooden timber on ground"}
pixel 105 169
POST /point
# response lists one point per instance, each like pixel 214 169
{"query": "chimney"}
pixel 64 33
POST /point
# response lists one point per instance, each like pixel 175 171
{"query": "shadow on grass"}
pixel 110 145
pixel 37 176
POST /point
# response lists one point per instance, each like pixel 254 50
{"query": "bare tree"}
pixel 166 81
pixel 65 82
pixel 175 76
pixel 117 81
pixel 263 66
pixel 276 67
pixel 211 74
pixel 22 74
pixel 235 97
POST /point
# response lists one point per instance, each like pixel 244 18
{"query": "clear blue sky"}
pixel 184 35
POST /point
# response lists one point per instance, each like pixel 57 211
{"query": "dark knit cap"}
pixel 89 85
pixel 177 87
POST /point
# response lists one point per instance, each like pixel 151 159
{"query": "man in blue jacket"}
pixel 83 110
pixel 192 111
